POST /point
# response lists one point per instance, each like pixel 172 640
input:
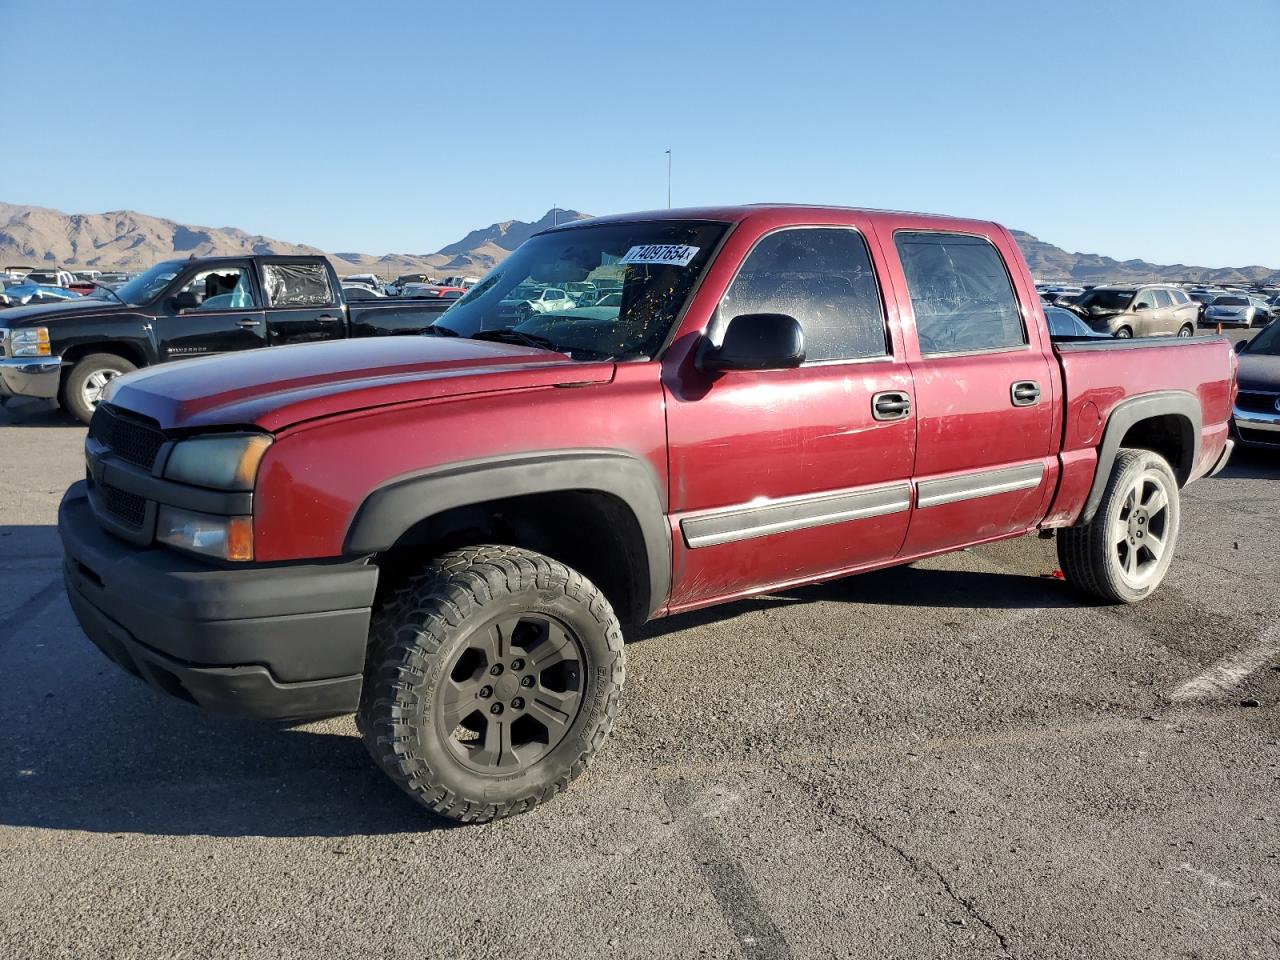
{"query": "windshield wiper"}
pixel 512 335
pixel 103 286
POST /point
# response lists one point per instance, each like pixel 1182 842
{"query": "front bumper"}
pixel 30 377
pixel 1255 428
pixel 270 641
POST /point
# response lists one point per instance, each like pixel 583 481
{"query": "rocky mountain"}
pixel 123 239
pixel 474 254
pixel 1048 262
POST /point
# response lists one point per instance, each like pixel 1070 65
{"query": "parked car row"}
pixel 1253 306
pixel 1155 310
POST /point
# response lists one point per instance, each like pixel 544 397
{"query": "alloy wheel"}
pixel 512 693
pixel 94 384
pixel 1140 529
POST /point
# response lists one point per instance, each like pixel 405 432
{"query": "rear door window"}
pixel 823 278
pixel 296 285
pixel 1162 298
pixel 960 292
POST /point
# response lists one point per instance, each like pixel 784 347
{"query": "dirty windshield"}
pixel 144 287
pixel 611 290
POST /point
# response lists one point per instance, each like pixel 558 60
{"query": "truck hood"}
pixel 1259 372
pixel 276 387
pixel 39 314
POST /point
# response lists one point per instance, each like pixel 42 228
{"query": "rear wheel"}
pixel 1187 330
pixel 492 678
pixel 1123 553
pixel 1124 333
pixel 82 387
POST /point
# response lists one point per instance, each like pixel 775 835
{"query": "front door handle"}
pixel 248 323
pixel 1025 393
pixel 891 405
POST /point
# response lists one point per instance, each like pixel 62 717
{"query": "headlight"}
pixel 220 462
pixel 228 538
pixel 30 342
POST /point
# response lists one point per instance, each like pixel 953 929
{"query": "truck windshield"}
pixel 653 265
pixel 1106 299
pixel 144 287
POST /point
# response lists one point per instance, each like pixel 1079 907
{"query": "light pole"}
pixel 668 179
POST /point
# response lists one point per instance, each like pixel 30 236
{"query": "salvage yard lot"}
pixel 955 759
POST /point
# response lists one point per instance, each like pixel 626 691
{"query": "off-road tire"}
pixel 71 395
pixel 1088 552
pixel 417 632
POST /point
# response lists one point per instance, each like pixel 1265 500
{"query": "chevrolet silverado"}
pixel 448 534
pixel 180 309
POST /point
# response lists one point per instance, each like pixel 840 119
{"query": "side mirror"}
pixel 1240 345
pixel 186 300
pixel 1141 306
pixel 755 341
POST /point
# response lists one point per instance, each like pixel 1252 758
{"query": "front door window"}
pixel 223 288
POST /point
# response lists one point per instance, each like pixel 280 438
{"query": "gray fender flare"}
pixel 391 509
pixel 1132 411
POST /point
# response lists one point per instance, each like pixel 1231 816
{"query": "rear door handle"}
pixel 326 319
pixel 1025 393
pixel 891 405
pixel 248 322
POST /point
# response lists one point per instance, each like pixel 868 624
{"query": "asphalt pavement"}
pixel 953 759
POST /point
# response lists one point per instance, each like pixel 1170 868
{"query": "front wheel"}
pixel 82 387
pixel 1124 333
pixel 1123 553
pixel 493 676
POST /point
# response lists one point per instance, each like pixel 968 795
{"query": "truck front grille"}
pixel 1257 401
pixel 124 507
pixel 130 438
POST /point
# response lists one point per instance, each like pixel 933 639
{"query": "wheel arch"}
pixel 121 348
pixel 602 512
pixel 1166 422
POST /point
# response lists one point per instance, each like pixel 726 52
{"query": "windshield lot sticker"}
pixel 671 254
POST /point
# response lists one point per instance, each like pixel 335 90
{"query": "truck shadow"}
pixel 1251 464
pixel 896 586
pixel 89 748
pixel 35 413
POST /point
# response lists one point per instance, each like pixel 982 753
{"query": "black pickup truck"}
pixel 186 308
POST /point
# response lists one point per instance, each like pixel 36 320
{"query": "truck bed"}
pixel 393 317
pixel 1099 376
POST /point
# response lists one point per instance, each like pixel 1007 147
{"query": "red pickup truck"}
pixel 447 534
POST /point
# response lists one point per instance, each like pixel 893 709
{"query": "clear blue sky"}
pixel 1134 129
